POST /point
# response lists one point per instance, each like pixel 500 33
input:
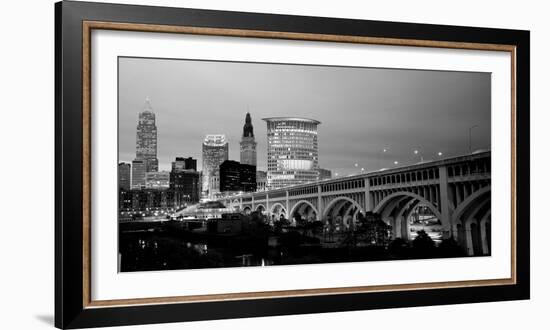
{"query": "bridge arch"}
pixel 400 225
pixel 469 202
pixel 393 203
pixel 472 222
pixel 260 208
pixel 395 209
pixel 278 209
pixel 247 209
pixel 485 226
pixel 348 217
pixel 473 229
pixel 300 206
pixel 381 207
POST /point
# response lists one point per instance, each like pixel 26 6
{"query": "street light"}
pixel 416 152
pixel 384 150
pixel 470 137
pixel 440 154
pixel 356 167
pixel 395 162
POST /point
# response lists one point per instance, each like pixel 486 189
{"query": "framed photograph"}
pixel 216 164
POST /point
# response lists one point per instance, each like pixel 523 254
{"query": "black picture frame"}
pixel 70 181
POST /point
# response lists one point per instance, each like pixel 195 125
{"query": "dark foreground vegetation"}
pixel 250 240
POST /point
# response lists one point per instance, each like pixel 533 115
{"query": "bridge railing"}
pixel 420 173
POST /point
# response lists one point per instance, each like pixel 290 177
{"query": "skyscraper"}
pixel 292 151
pixel 215 150
pixel 146 138
pixel 124 176
pixel 138 174
pixel 248 144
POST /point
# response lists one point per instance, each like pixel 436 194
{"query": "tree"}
pixel 372 230
pixel 450 248
pixel 361 219
pixel 399 248
pixel 423 245
pixel 299 220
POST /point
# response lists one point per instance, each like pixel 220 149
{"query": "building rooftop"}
pixel 215 139
pixel 147 107
pixel 307 120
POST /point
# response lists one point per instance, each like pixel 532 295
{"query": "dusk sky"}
pixel 362 111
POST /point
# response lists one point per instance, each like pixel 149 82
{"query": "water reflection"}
pixel 147 251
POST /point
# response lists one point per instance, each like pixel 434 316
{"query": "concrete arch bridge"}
pixel 456 192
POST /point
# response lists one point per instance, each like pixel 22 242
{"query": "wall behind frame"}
pixel 27 67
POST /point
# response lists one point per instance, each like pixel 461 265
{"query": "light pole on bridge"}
pixel 382 153
pixel 417 152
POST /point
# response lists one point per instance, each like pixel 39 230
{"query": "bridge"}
pixel 456 190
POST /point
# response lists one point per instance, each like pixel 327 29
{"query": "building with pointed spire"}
pixel 146 145
pixel 248 143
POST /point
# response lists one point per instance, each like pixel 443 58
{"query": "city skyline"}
pixel 418 103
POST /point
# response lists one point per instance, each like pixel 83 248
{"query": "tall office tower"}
pixel 138 174
pixel 215 150
pixel 248 144
pixel 124 176
pixel 146 138
pixel 292 151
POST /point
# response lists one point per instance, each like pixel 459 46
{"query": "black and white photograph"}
pixel 231 164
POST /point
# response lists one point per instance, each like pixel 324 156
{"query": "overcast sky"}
pixel 362 111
